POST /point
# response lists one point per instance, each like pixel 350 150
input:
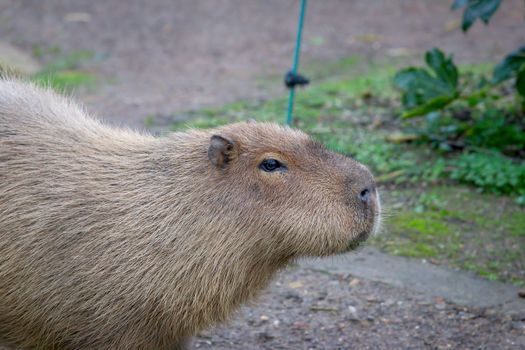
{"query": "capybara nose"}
pixel 365 195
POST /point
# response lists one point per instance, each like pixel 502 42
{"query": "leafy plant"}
pixel 427 90
pixel 491 172
pixel 474 9
pixel 493 131
pixel 458 129
pixel 471 114
pixel 512 65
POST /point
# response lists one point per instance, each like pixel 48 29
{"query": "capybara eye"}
pixel 271 165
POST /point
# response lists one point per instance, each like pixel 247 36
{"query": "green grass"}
pixel 458 227
pixel 333 98
pixel 64 72
pixel 66 80
pixel 420 235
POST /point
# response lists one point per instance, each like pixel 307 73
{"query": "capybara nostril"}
pixel 364 195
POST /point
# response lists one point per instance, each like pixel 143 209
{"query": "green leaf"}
pixel 444 68
pixel 520 82
pixel 426 90
pixel 420 85
pixel 483 9
pixel 429 106
pixel 509 65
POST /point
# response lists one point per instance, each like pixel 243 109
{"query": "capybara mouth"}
pixel 358 241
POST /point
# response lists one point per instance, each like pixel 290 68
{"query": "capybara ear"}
pixel 221 150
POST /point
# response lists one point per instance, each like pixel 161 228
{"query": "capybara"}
pixel 115 239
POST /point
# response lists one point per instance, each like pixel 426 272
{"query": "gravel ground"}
pixel 313 310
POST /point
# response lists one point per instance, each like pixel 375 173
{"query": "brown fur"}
pixel 111 239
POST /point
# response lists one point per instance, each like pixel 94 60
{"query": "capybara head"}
pixel 311 201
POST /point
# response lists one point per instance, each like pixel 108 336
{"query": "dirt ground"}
pixel 314 310
pixel 167 56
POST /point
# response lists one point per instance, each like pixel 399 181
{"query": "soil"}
pixel 313 310
pixel 165 56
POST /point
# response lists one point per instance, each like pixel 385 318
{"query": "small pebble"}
pixel 353 315
pixel 265 336
pixel 354 282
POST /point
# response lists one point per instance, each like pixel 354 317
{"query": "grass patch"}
pixel 65 71
pixel 422 235
pixel 66 80
pixel 458 227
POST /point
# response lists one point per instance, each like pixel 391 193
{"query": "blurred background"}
pixel 446 139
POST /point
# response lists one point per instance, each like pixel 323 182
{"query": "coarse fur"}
pixel 112 239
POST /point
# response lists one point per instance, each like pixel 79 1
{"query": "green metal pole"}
pixel 295 66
